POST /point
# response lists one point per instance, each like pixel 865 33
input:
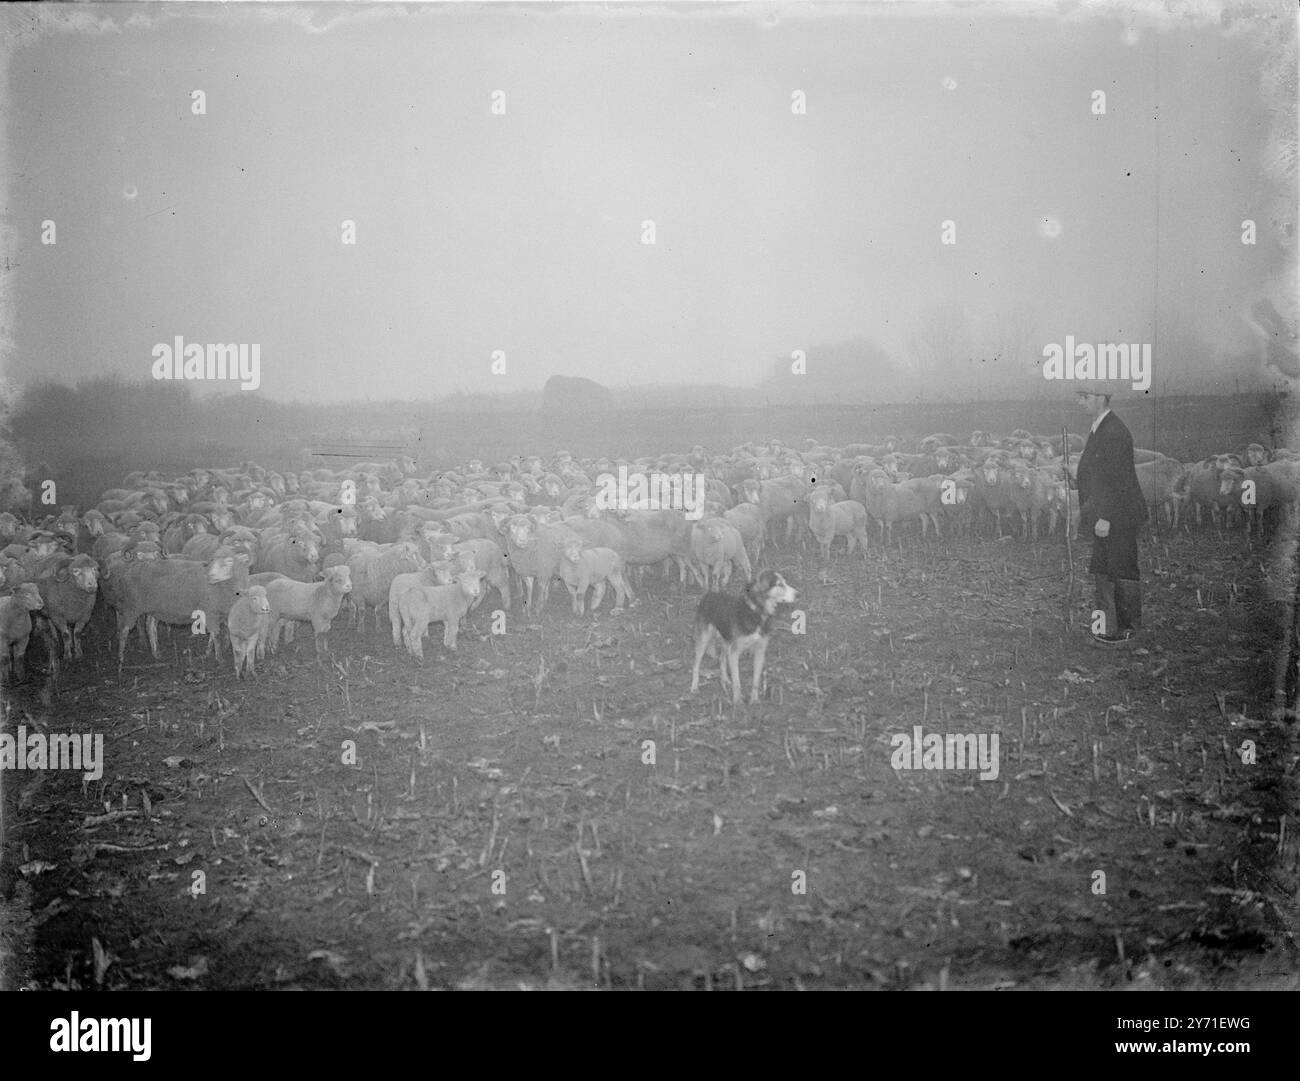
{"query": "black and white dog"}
pixel 739 624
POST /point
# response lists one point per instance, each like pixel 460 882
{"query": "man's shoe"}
pixel 1112 639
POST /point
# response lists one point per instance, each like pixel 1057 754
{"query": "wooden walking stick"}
pixel 1069 546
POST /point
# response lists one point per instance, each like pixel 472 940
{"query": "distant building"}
pixel 574 394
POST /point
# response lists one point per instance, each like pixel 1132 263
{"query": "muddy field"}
pixel 551 807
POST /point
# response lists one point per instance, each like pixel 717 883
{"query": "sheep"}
pixel 716 548
pixel 201 546
pixel 829 519
pixel 247 624
pixel 655 536
pixel 372 574
pixel 316 603
pixel 113 566
pixel 68 586
pixel 1259 489
pixel 1159 481
pixel 1201 485
pixel 184 529
pixel 779 499
pixel 12 573
pixel 473 524
pixel 534 553
pixel 39 548
pixel 176 591
pixel 422 605
pixel 488 557
pixel 992 490
pixel 747 520
pixel 582 568
pixel 595 531
pixel 16 627
pixel 1031 495
pixel 955 506
pixel 294 555
pixel 439 572
pixel 11 529
pixel 889 503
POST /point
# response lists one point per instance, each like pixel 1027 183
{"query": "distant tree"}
pixel 939 341
pixel 14 495
pixel 854 370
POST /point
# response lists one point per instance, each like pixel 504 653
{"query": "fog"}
pixel 500 166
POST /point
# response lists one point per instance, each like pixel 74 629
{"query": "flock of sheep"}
pixel 247 554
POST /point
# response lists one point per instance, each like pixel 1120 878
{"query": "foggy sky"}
pixel 522 232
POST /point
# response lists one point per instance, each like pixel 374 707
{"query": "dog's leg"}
pixel 760 651
pixel 701 644
pixel 733 661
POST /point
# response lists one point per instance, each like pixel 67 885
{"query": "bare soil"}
pixel 551 807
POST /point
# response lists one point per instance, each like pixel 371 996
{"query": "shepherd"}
pixel 1111 501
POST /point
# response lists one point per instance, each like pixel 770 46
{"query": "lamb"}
pixel 16 627
pixel 248 623
pixel 829 519
pixel 717 547
pixel 422 605
pixel 582 568
pixel 438 573
pixel 488 557
pixel 316 603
